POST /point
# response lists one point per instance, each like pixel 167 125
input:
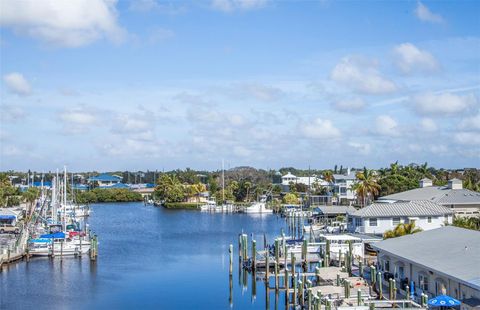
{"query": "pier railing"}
pixel 15 250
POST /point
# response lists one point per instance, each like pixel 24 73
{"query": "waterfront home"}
pixel 445 260
pixel 377 218
pixel 309 181
pixel 342 186
pixel 104 180
pixel 462 201
pixel 328 214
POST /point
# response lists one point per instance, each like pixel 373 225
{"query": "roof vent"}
pixel 455 184
pixel 425 182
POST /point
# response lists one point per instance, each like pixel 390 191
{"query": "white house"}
pixel 462 201
pixel 105 180
pixel 309 181
pixel 445 260
pixel 377 218
pixel 342 185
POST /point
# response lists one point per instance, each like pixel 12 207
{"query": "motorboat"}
pixel 258 208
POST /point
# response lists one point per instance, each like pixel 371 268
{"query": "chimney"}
pixel 425 182
pixel 455 184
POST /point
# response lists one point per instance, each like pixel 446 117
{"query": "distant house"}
pixel 309 181
pixel 462 201
pixel 104 180
pixel 342 186
pixel 377 218
pixel 439 261
pixel 10 216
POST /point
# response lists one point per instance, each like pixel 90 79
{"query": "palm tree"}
pixel 394 168
pixel 248 185
pixel 367 186
pixel 402 229
pixel 327 176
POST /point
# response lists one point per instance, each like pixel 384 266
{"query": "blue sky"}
pixel 147 84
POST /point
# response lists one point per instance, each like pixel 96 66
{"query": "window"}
pixel 395 221
pixel 343 190
pixel 373 221
pixel 423 282
pixel 358 222
pixel 429 219
pixel 386 266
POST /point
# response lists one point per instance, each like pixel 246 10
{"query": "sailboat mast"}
pixel 65 197
pixel 223 181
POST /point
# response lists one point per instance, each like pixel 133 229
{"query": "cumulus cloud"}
pixel 386 126
pixel 232 5
pixel 362 148
pixel 362 75
pixel 443 104
pixel 428 125
pixel 322 129
pixel 349 105
pixel 17 84
pixel 77 120
pixel 424 14
pixel 410 58
pixel 63 23
pixel 467 138
pixel 471 123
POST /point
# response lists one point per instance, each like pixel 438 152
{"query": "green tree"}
pixel 290 198
pixel 402 229
pixel 366 187
pixel 169 189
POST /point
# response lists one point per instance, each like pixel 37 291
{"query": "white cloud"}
pixel 428 125
pixel 77 120
pixel 349 105
pixel 410 58
pixel 320 129
pixel 471 123
pixel 71 23
pixel 362 76
pixel 467 138
pixel 362 148
pixel 232 5
pixel 17 84
pixel 443 104
pixel 386 126
pixel 424 14
pixel 257 91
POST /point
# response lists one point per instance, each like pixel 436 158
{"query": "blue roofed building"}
pixel 104 180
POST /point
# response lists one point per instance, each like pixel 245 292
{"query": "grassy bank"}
pixel 180 205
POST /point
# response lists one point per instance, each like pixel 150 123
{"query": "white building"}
pixel 342 186
pixel 439 261
pixel 377 218
pixel 462 201
pixel 309 181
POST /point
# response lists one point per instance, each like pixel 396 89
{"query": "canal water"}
pixel 149 258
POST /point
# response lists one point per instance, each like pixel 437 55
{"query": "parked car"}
pixel 8 228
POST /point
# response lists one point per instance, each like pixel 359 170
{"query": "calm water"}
pixel 148 258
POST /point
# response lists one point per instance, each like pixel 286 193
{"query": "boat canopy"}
pixel 57 235
pixel 40 240
pixel 7 217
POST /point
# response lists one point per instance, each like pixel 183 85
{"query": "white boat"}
pixel 339 243
pixel 74 210
pixel 258 208
pixel 210 205
pixel 58 246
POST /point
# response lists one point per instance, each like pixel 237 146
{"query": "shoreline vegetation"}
pixel 107 195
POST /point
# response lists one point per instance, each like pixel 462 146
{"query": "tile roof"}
pixel 411 208
pixel 438 194
pixel 448 250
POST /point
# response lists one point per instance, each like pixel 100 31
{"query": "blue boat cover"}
pixel 40 240
pixel 7 217
pixel 57 235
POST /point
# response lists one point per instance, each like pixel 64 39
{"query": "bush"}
pixel 180 205
pixel 107 195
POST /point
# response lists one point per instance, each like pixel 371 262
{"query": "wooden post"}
pixel 373 275
pixel 292 262
pixel 277 250
pixel 294 288
pixel 267 267
pixel 390 288
pixel 360 268
pixel 300 292
pixel 338 279
pixel 380 285
pixel 339 258
pixel 350 255
pixel 359 297
pixel 317 274
pixel 254 254
pixel 61 250
pixel 230 252
pixel 346 288
pixel 275 265
pixel 285 284
pixel 371 306
pixel 407 289
pixel 304 250
pixel 80 254
pixel 319 296
pixel 240 247
pixel 309 296
pixel 394 290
